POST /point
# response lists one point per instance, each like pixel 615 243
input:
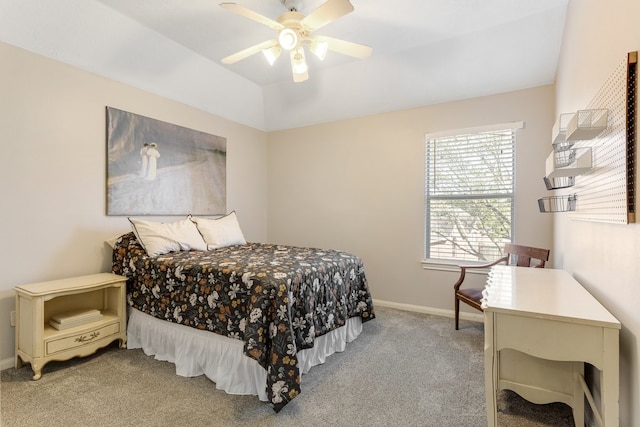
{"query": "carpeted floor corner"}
pixel 406 369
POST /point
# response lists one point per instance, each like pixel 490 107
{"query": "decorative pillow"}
pixel 159 238
pixel 220 232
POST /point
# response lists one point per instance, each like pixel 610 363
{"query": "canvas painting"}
pixel 158 168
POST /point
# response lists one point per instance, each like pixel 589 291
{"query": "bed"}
pixel 252 317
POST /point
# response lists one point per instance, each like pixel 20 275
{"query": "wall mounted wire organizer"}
pixel 559 133
pixel 571 162
pixel 565 203
pixel 587 124
pixel 603 191
pixel 559 182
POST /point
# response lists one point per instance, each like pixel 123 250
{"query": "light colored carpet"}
pixel 406 369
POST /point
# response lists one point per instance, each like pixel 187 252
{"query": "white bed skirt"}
pixel 221 359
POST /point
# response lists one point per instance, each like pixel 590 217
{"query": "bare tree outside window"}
pixel 469 194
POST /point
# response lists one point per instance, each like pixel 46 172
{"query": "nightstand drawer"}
pixel 84 338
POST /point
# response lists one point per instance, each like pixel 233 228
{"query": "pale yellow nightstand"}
pixel 38 343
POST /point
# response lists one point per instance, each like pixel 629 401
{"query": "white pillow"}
pixel 159 238
pixel 220 232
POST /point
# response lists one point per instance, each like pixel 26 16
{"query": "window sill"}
pixel 436 265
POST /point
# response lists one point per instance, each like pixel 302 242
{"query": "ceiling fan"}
pixel 294 32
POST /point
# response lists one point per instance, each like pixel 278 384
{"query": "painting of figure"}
pixel 159 168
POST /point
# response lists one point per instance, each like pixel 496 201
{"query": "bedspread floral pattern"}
pixel 274 298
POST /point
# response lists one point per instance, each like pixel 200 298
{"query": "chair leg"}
pixel 457 311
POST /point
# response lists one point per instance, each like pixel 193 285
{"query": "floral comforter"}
pixel 276 299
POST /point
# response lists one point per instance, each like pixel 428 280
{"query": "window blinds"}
pixel 469 194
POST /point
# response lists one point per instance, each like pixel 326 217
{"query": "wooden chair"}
pixel 520 256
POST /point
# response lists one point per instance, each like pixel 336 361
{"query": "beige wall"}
pixel 605 258
pixel 358 185
pixel 52 171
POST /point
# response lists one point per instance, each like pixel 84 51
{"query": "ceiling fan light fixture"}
pixel 272 54
pixel 294 34
pixel 298 62
pixel 288 39
pixel 319 48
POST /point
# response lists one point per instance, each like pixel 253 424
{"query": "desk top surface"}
pixel 543 293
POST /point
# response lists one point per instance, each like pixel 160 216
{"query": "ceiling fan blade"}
pixel 346 48
pixel 249 51
pixel 247 13
pixel 326 13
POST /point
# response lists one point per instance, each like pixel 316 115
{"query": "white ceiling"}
pixel 424 52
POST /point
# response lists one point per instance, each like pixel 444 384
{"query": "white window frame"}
pixel 451 264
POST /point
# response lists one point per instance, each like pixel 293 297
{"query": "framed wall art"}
pixel 158 168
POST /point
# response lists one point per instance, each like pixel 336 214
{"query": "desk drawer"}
pixel 87 337
pixel 549 339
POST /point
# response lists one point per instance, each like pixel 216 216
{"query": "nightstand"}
pixel 92 310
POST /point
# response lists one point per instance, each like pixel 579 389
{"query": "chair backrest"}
pixel 525 256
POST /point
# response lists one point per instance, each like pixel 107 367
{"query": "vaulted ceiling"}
pixel 424 52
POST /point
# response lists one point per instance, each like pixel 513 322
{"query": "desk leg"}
pixel 609 381
pixel 578 394
pixel 490 371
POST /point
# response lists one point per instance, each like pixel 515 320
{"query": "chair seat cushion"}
pixel 474 294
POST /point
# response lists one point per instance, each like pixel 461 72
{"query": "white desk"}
pixel 541 326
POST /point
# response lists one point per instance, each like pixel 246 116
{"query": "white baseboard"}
pixel 429 310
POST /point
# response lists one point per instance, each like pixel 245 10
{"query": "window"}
pixel 469 193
